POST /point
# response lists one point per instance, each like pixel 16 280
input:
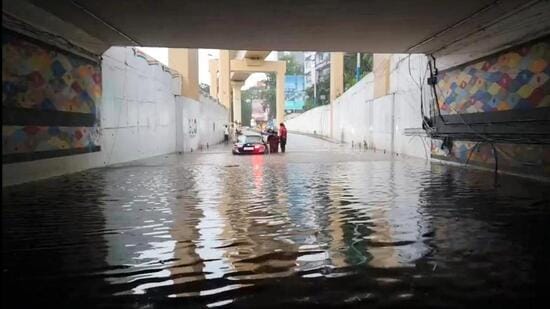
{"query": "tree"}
pixel 267 94
pixel 309 103
pixel 323 90
pixel 292 66
pixel 350 64
pixel 271 95
pixel 323 93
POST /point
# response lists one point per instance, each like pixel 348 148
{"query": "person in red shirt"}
pixel 282 136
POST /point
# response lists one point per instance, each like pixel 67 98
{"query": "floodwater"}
pixel 321 225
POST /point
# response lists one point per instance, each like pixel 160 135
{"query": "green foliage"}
pixel 350 63
pixel 271 95
pixel 323 90
pixel 292 66
pixel 268 94
pixel 323 94
pixel 309 103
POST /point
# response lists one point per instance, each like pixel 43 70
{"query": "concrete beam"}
pixel 424 27
pixel 261 66
pixel 257 66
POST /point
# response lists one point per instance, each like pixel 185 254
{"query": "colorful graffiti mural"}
pixel 513 80
pixel 50 101
pixel 517 79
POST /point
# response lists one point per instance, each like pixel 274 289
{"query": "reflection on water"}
pixel 214 230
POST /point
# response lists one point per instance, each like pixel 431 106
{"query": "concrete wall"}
pixel 202 123
pixel 140 116
pixel 382 122
pixel 137 120
pixel 138 105
pixel 513 81
pixel 50 101
pixel 516 79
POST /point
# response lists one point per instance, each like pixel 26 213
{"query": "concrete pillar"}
pixel 381 71
pixel 224 69
pixel 336 75
pixel 279 67
pixel 336 81
pixel 280 94
pixel 186 62
pixel 213 69
pixel 237 85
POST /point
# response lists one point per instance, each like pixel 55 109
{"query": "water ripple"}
pixel 319 228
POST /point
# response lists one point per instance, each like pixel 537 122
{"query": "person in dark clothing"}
pixel 272 141
pixel 282 136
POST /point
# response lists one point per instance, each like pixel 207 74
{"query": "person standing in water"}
pixel 226 135
pixel 282 136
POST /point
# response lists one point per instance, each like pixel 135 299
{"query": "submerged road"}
pixel 321 225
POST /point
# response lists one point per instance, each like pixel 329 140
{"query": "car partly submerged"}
pixel 250 144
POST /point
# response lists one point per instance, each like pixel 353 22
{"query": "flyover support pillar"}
pixel 336 82
pixel 186 62
pixel 280 95
pixel 213 69
pixel 381 71
pixel 278 67
pixel 237 85
pixel 225 75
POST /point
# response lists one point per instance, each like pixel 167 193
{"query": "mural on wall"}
pixel 517 79
pixel 50 101
pixel 512 80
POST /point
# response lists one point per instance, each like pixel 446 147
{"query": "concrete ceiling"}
pixel 328 25
pixel 455 30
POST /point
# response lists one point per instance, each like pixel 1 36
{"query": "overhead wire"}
pixel 104 22
pixel 435 86
pixel 13 23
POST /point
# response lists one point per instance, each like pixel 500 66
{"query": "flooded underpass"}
pixel 321 225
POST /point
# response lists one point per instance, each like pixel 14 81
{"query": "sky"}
pixel 161 54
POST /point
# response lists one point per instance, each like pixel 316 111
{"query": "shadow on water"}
pixel 53 240
pixel 272 231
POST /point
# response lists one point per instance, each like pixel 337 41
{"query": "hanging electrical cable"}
pixel 432 81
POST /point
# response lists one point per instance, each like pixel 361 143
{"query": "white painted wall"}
pixel 211 118
pixel 138 105
pixel 141 116
pixel 381 122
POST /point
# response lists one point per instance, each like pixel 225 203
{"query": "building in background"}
pixel 294 93
pixel 316 67
pixel 317 78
